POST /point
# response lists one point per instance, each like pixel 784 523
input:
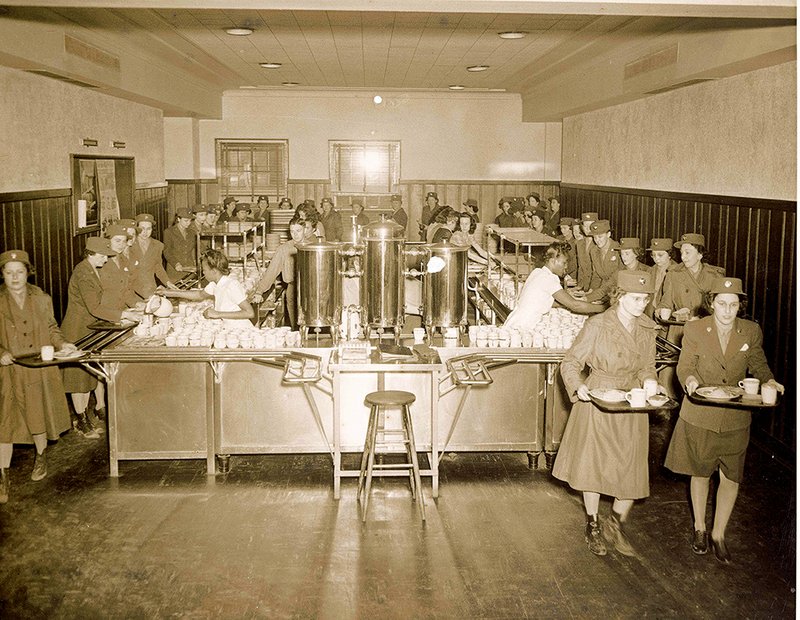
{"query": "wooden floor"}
pixel 267 540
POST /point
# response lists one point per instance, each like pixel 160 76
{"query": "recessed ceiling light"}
pixel 239 32
pixel 291 83
pixel 456 87
pixel 514 34
pixel 477 68
pixel 271 65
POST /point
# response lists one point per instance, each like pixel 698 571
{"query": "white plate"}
pixel 608 395
pixel 69 355
pixel 719 392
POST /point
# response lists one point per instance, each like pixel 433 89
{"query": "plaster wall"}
pixel 735 136
pixel 43 121
pixel 444 136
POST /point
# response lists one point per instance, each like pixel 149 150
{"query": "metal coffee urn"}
pixel 444 289
pixel 382 289
pixel 319 289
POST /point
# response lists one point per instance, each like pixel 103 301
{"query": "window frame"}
pixel 225 189
pixel 394 148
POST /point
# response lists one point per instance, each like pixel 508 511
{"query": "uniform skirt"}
pixel 605 453
pixel 696 451
pixel 77 380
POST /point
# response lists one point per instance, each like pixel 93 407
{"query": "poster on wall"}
pixel 107 192
pixel 102 191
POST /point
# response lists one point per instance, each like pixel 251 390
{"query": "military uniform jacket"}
pixel 150 267
pixel 117 280
pixel 179 248
pixel 505 221
pixel 703 358
pixel 582 247
pixel 400 217
pixel 332 224
pixel 604 270
pixel 85 302
pixel 32 400
pixel 683 290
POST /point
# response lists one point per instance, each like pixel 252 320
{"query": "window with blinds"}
pixel 371 167
pixel 251 168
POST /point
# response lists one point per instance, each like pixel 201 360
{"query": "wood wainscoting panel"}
pixel 750 238
pixel 41 224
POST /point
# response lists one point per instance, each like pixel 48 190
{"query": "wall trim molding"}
pixel 151 185
pixel 739 201
pixel 309 181
pixel 189 181
pixel 474 182
pixel 36 194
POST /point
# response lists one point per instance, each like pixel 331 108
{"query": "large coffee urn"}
pixel 319 290
pixel 445 291
pixel 382 291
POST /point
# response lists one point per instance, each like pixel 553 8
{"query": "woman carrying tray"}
pixel 33 407
pixel 606 453
pixel 717 350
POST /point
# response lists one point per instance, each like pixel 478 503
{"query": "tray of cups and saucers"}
pixel 749 394
pixel 612 400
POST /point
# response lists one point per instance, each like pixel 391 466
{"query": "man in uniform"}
pixel 331 220
pixel 604 260
pixel 582 250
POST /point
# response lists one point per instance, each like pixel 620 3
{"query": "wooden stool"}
pixel 378 402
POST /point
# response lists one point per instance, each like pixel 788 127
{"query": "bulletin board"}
pixel 102 191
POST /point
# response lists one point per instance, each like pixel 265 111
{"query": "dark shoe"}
pixel 84 428
pixel 700 542
pixel 594 536
pixel 616 537
pixel 100 413
pixel 721 551
pixel 5 483
pixel 96 424
pixel 39 467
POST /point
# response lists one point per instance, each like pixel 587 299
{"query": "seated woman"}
pixel 442 225
pixel 719 350
pixel 33 407
pixel 230 300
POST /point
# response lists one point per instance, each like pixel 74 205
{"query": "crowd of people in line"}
pixel 585 270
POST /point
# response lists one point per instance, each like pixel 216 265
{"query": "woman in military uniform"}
pixel 718 350
pixel 148 252
pixel 606 453
pixel 33 408
pixel 604 261
pixel 180 246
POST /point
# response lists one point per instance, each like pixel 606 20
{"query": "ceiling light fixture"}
pixel 291 83
pixel 456 87
pixel 239 32
pixel 512 34
pixel 477 68
pixel 377 100
pixel 271 65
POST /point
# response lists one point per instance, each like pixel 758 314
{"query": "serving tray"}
pixel 737 402
pixel 35 360
pixel 109 326
pixel 624 407
pixel 670 321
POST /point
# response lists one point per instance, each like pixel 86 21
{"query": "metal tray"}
pixel 624 407
pixel 738 402
pixel 109 326
pixel 35 360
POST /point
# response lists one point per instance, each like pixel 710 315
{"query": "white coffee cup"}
pixel 664 313
pixel 769 394
pixel 750 386
pixel 47 353
pixel 636 398
pixel 650 387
